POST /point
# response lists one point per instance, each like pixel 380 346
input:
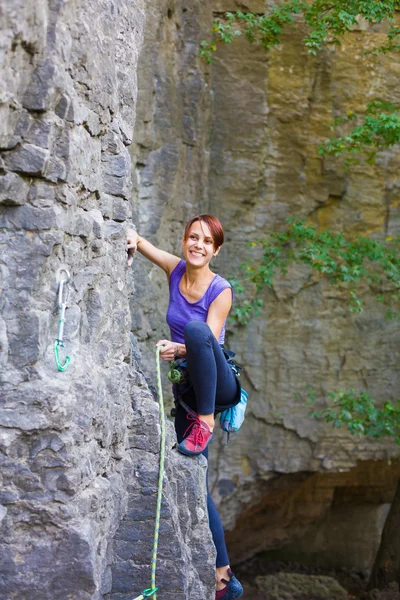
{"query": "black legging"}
pixel 213 386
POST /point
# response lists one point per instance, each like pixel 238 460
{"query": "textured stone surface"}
pixel 186 556
pixel 285 586
pixel 391 593
pixel 253 161
pixel 238 139
pixel 305 336
pixel 331 519
pixel 78 463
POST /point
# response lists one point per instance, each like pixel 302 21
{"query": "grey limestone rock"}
pixel 36 96
pixel 79 448
pixel 27 159
pixel 13 189
pixel 29 218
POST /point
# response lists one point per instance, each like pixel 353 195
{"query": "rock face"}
pixel 331 519
pixel 286 586
pixel 79 463
pixel 253 161
pixel 238 139
pixel 265 170
pixel 186 555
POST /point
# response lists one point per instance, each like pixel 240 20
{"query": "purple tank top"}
pixel 181 311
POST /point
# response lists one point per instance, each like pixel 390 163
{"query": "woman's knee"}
pixel 197 330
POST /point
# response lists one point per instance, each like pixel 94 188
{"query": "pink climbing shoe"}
pixel 199 437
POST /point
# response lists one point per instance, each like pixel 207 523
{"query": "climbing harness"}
pixel 151 591
pixel 63 279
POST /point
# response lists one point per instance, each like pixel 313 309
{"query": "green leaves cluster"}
pixel 345 263
pixel 327 22
pixel 392 44
pixel 358 412
pixel 265 29
pixel 378 129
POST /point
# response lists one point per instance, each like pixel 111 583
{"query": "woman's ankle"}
pixel 208 420
pixel 220 574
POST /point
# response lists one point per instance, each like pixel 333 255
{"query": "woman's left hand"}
pixel 169 350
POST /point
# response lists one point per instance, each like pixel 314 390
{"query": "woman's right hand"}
pixel 132 242
pixel 169 350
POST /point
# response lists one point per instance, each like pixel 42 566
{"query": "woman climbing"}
pixel 199 304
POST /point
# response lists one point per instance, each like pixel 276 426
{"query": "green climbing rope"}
pixel 160 470
pixel 153 589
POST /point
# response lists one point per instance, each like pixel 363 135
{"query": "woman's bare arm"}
pixel 218 311
pixel 166 261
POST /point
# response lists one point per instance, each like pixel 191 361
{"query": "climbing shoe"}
pixel 198 439
pixel 233 589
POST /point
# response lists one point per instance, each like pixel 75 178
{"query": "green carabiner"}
pixel 149 592
pixel 60 367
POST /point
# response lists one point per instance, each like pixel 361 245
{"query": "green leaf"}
pixel 326 23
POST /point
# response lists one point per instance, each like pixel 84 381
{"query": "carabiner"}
pixel 62 299
pixel 60 367
pixel 63 281
pixel 149 592
pixel 146 593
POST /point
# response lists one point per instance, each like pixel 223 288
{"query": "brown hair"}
pixel 214 224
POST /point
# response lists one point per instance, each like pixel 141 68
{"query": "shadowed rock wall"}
pixel 254 162
pixel 270 114
pixel 79 466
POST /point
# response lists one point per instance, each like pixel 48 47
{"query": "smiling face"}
pixel 198 248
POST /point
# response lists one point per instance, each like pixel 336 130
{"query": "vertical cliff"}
pixel 79 448
pixel 254 162
pixel 239 138
pixel 270 114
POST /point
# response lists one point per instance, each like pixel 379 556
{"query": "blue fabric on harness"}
pixel 232 418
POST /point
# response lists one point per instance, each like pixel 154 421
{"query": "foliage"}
pixel 377 129
pixel 326 21
pixel 360 415
pixel 392 44
pixel 345 263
